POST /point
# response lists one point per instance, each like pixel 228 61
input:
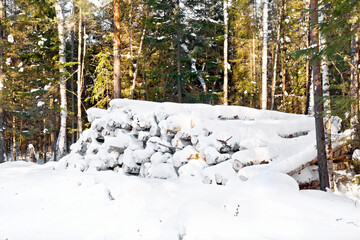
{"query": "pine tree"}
pixel 117 52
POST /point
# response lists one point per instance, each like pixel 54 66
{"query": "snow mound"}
pixel 212 143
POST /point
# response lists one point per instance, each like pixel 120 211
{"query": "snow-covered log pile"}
pixel 212 143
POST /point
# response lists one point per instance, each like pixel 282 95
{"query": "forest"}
pixel 179 119
pixel 59 58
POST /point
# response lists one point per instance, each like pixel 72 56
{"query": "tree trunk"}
pixel 71 86
pixel 319 107
pixel 132 90
pixel 53 136
pixel 283 83
pixel 254 58
pixel 2 80
pixel 79 75
pixel 226 30
pixel 14 147
pixel 61 141
pixel 327 108
pixel 277 45
pixel 308 69
pixel 264 56
pixel 117 53
pixel 45 141
pixel 310 109
pixel 354 86
pixel 130 39
pixel 178 53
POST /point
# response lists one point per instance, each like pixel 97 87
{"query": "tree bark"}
pixel 226 30
pixel 117 53
pixel 354 86
pixel 264 56
pixel 79 75
pixel 2 81
pixel 132 90
pixel 178 65
pixel 71 86
pixel 277 45
pixel 327 108
pixel 318 107
pixel 283 81
pixel 14 147
pixel 61 141
pixel 45 141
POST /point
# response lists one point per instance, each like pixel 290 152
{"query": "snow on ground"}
pixel 139 173
pixel 37 202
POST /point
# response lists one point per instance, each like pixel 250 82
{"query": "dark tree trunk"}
pixel 117 53
pixel 319 106
pixel 178 53
pixel 72 91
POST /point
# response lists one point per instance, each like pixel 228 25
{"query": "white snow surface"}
pixel 143 168
pixel 38 202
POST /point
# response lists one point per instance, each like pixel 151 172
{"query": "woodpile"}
pixel 213 143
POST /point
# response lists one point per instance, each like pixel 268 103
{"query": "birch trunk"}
pixel 327 107
pixel 318 107
pixel 264 56
pixel 117 53
pixel 61 141
pixel 311 103
pixel 132 90
pixel 226 30
pixel 2 80
pixel 79 75
pixel 277 45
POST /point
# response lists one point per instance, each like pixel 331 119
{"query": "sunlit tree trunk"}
pixel 79 74
pixel 264 56
pixel 117 53
pixel 327 107
pixel 61 141
pixel 276 51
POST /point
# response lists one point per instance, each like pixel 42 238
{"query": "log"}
pixel 237 165
pixel 218 179
pixel 299 169
pixel 131 170
pixel 314 184
pixel 207 180
pixel 338 150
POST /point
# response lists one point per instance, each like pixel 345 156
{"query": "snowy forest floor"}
pixel 38 202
